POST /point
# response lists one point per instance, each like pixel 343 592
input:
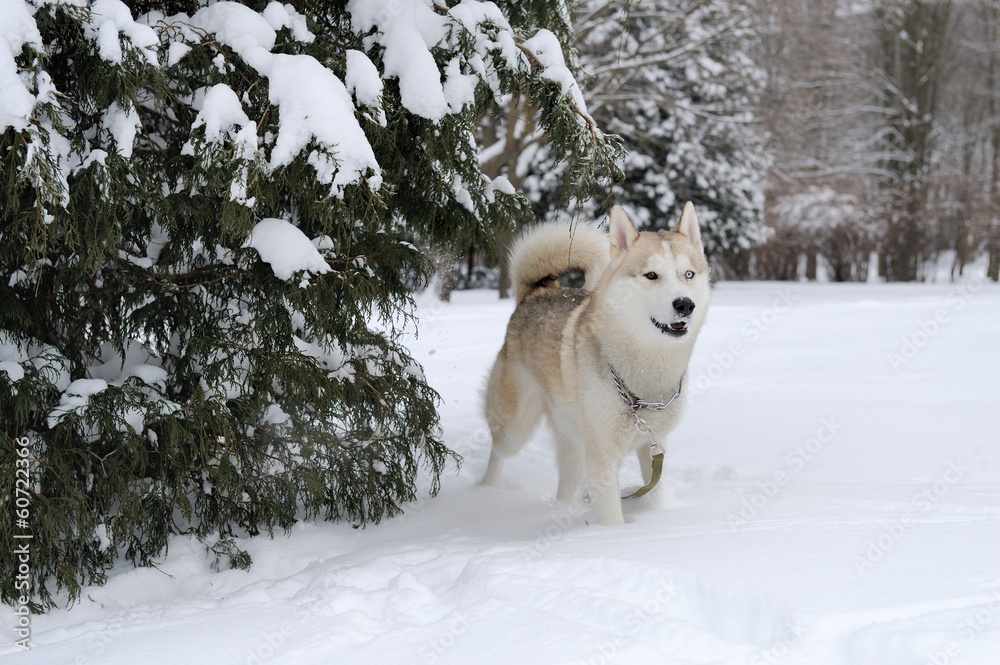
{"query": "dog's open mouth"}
pixel 675 329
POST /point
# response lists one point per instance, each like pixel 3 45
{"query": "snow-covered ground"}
pixel 836 500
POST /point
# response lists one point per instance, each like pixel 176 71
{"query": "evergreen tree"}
pixel 207 222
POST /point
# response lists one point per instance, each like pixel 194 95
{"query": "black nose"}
pixel 684 306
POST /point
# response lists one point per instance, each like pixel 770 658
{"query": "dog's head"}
pixel 659 282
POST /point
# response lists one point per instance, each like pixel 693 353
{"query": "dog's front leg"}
pixel 604 460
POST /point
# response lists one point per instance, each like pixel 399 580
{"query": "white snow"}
pixel 13 369
pixel 111 17
pixel 282 245
pixel 545 46
pixel 285 16
pixel 139 362
pixel 499 184
pixel 176 53
pixel 332 358
pixel 470 15
pixel 462 195
pixel 836 501
pixel 11 357
pixel 219 111
pixel 241 28
pixel 312 102
pixel 407 31
pixel 362 79
pixel 76 395
pixel 16 29
pixel 123 125
pixel 459 88
pixel 275 415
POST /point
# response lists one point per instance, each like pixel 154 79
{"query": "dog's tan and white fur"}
pixel 642 305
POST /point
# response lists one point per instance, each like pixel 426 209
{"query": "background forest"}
pixel 822 139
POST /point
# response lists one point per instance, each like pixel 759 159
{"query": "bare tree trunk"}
pixel 993 84
pixel 912 39
pixel 516 136
pixel 504 241
pixel 811 266
pixel 444 270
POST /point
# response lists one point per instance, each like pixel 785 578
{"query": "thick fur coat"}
pixel 642 305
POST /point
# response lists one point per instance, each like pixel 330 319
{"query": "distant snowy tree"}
pixel 677 82
pixel 823 133
pixel 207 211
pixel 822 223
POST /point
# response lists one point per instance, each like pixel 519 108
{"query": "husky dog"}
pixel 579 355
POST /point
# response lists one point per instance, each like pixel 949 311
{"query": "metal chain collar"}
pixel 633 403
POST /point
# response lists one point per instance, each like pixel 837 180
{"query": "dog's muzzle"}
pixel 678 327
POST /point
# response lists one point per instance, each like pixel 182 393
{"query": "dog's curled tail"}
pixel 546 251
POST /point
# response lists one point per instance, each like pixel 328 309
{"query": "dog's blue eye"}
pixel 689 274
pixel 652 276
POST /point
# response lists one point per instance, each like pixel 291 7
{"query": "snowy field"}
pixel 835 500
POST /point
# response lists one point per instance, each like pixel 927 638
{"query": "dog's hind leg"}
pixel 514 407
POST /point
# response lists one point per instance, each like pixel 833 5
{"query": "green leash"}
pixel 633 404
pixel 657 470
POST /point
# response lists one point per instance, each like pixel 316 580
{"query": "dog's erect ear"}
pixel 689 224
pixel 623 234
